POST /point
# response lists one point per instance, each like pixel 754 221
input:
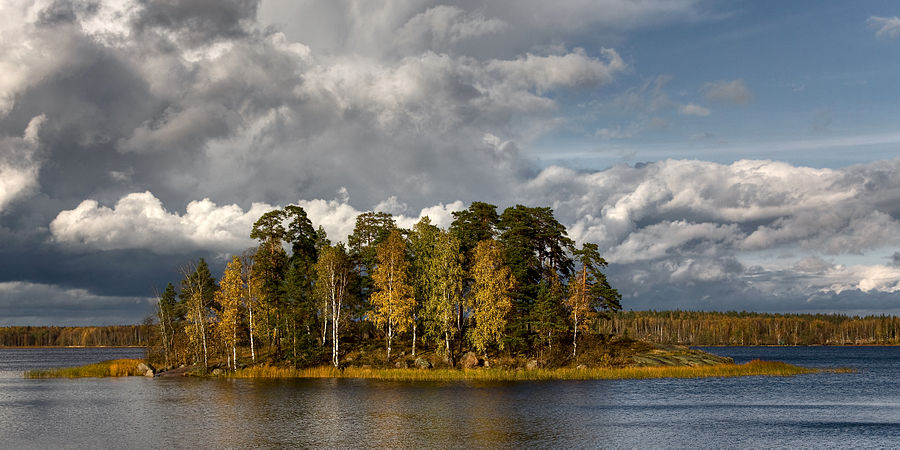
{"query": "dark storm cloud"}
pixel 198 22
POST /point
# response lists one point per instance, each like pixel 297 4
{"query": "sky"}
pixel 724 155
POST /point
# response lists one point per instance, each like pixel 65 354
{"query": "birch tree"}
pixel 229 298
pixel 422 241
pixel 197 290
pixel 443 278
pixel 333 278
pixel 392 302
pixel 491 287
pixel 166 304
pixel 251 286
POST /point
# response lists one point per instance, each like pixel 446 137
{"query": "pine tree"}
pixel 590 292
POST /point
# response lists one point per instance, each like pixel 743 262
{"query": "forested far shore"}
pixel 101 336
pixel 697 328
pixel 748 328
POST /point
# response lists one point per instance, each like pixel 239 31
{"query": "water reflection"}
pixel 817 410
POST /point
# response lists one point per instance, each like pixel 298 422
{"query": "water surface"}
pixel 828 409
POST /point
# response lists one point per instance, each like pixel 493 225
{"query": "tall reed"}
pixel 111 368
pixel 752 368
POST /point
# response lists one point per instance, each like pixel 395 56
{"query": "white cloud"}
pixel 19 163
pixel 139 220
pixel 888 27
pixel 734 91
pixel 692 109
pixel 443 26
pixel 545 73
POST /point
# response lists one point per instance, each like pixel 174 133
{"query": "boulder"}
pixel 581 367
pixel 145 369
pixel 469 360
pixel 422 363
pixel 531 364
pixel 401 365
pixel 217 372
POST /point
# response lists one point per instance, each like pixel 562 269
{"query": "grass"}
pixel 111 368
pixel 756 367
pixel 128 367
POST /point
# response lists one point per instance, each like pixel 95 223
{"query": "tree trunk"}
pixel 252 347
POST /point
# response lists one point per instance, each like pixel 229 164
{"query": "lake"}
pixel 820 410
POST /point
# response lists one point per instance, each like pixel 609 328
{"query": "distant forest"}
pixel 110 336
pixel 670 327
pixel 747 328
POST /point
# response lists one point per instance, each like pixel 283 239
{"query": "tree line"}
pixel 672 327
pixel 108 336
pixel 743 328
pixel 511 281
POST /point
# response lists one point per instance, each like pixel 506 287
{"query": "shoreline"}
pixel 72 346
pixel 132 367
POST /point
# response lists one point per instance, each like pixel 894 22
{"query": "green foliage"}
pixel 473 225
pixel 443 290
pixel 371 229
pixel 535 247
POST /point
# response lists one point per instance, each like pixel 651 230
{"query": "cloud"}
pixel 139 221
pixel 734 91
pixel 25 303
pixel 888 27
pixel 691 223
pixel 692 109
pixel 545 73
pixel 19 163
pixel 441 27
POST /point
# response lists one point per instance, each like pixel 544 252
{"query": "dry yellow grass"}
pixel 111 368
pixel 757 368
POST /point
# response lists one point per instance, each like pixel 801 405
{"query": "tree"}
pixel 371 229
pixel 392 302
pixel 270 266
pixel 491 288
pixel 548 315
pixel 474 225
pixel 443 284
pixel 536 248
pixel 252 283
pixel 333 279
pixel 229 297
pixel 197 292
pixel 422 244
pixel 168 318
pixel 590 293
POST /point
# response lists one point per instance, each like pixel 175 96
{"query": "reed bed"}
pixel 752 368
pixel 111 368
